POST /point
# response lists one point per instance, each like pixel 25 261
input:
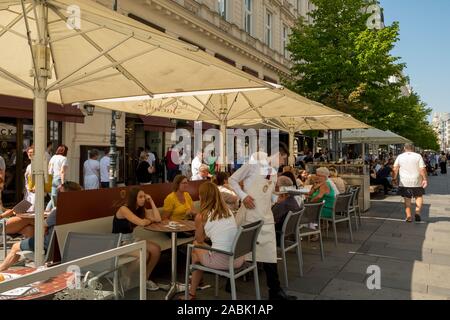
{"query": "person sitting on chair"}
pixel 28 243
pixel 228 195
pixel 216 222
pixel 285 203
pixel 203 173
pixel 135 213
pixel 178 205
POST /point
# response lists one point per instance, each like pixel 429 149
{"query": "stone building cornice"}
pixel 223 31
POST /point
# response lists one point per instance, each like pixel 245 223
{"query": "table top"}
pixel 46 288
pixel 299 191
pixel 182 226
pixel 30 215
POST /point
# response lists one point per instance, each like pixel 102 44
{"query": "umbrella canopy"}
pixel 372 135
pixel 67 51
pixel 273 108
pixel 95 53
pixel 236 108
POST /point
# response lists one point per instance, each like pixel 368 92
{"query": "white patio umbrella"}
pixel 334 120
pixel 67 51
pixel 228 108
pixel 372 135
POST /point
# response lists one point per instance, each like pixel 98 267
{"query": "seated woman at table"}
pixel 302 178
pixel 228 195
pixel 341 185
pixel 28 243
pixel 18 225
pixel 291 176
pixel 135 213
pixel 322 191
pixel 178 205
pixel 216 222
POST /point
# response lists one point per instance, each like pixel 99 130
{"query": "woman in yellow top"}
pixel 178 205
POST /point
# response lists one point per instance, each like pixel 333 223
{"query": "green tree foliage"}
pixel 340 62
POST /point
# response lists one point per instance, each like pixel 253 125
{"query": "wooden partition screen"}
pixel 93 204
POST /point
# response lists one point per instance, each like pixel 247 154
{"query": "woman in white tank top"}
pixel 216 222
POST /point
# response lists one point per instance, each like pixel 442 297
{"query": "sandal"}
pixel 191 297
pixel 409 219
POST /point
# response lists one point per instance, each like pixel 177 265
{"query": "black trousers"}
pixel 273 281
pixel 443 166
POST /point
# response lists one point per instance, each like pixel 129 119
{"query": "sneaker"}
pixel 417 218
pixel 151 286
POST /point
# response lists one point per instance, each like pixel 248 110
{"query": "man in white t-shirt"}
pixel 413 179
pixel 104 170
pixel 196 163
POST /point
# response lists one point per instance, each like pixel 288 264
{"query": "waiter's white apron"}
pixel 261 191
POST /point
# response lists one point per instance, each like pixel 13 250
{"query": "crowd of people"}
pixel 256 191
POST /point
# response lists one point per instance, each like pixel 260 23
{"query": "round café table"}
pixel 44 288
pixel 183 226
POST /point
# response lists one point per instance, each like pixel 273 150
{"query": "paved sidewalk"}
pixel 414 257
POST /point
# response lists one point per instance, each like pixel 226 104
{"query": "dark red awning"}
pixel 16 107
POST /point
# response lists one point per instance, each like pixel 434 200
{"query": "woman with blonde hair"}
pixel 341 185
pixel 217 223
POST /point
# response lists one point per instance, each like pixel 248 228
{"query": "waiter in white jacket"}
pixel 259 178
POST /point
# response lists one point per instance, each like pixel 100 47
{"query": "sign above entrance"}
pixel 7 130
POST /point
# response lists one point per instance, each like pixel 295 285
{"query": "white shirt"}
pixel 221 232
pixel 197 177
pixel 195 166
pixel 57 162
pixel 151 159
pixel 247 173
pixel 410 164
pixel 91 168
pixel 104 168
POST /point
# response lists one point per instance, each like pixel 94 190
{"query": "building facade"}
pixel 251 35
pixel 441 125
pixel 248 34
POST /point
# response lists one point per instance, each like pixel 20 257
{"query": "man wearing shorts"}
pixel 413 179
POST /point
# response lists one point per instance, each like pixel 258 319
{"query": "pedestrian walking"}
pixel 411 169
pixel 105 163
pixel 58 167
pixel 259 178
pixel 91 171
pixel 443 162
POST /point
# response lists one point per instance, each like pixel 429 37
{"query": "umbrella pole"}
pixel 41 65
pixel 291 147
pixel 40 134
pixel 223 146
pixel 223 132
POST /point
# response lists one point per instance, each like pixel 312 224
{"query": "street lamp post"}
pixel 113 152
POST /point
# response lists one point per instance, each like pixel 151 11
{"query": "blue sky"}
pixel 424 46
